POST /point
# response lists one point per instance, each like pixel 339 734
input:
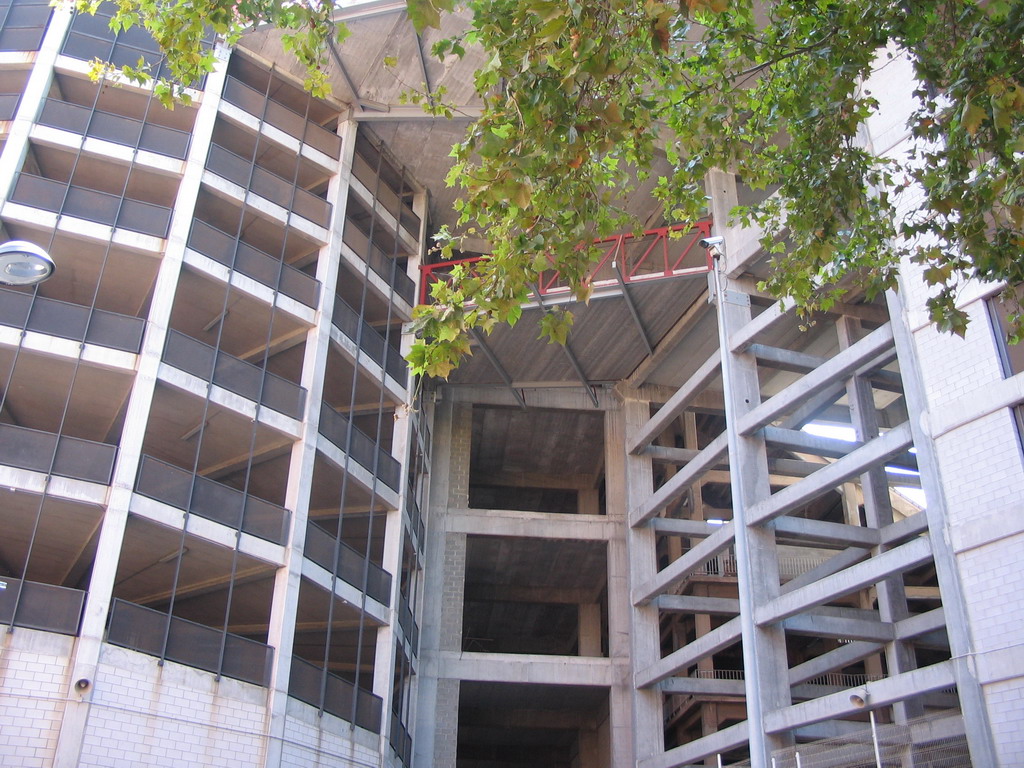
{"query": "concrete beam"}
pixel 714 606
pixel 878 693
pixel 695 751
pixel 674 526
pixel 843 656
pixel 839 367
pixel 705 645
pixel 823 532
pixel 815 625
pixel 527 668
pixel 679 569
pixel 533 525
pixel 702 686
pixel 677 403
pixel 898 560
pixel 873 453
pixel 681 481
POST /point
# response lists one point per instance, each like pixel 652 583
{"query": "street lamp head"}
pixel 24 263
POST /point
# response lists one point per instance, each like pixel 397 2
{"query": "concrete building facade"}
pixel 236 534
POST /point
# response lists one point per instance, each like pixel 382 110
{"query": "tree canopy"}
pixel 581 97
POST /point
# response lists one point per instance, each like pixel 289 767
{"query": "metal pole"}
pixel 798 763
pixel 874 740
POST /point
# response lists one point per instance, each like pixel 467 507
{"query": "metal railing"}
pixel 90 204
pixel 71 321
pixel 278 115
pixel 346 319
pixel 46 607
pixel 400 740
pixel 407 621
pixel 24 24
pixel 236 375
pixel 9 104
pixel 334 426
pixel 364 168
pixel 656 254
pixel 254 263
pixel 268 185
pixel 194 645
pixel 34 450
pixel 320 547
pixel 212 500
pixel 379 262
pixel 339 697
pixel 116 128
pixel 90 37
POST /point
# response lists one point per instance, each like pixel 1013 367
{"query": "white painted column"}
pixel 284 608
pixel 108 549
pixel 633 631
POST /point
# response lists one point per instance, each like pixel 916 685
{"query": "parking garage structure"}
pixel 204 413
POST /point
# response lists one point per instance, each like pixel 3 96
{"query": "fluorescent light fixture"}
pixel 24 263
pixel 714 521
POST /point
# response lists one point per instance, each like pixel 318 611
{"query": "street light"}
pixel 24 263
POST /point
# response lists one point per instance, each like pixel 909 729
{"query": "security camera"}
pixel 711 242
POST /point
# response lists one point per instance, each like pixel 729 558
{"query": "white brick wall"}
pixel 1006 708
pixel 327 742
pixel 33 672
pixel 170 716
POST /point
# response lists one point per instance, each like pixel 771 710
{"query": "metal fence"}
pixel 116 128
pixel 46 607
pixel 194 645
pixel 252 262
pixel 268 185
pixel 347 320
pixel 212 500
pixel 71 321
pixel 90 204
pixel 334 426
pixel 317 687
pixel 281 117
pixel 40 451
pixel 933 741
pixel 23 24
pixel 350 564
pixel 236 375
pixel 382 264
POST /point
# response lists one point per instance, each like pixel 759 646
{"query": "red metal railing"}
pixel 654 255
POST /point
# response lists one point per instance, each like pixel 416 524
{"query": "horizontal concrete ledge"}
pixel 876 694
pixel 695 751
pixel 537 525
pixel 527 668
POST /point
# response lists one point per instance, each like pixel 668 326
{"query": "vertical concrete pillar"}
pixel 630 481
pixel 444 571
pixel 115 518
pixel 284 607
pixel 764 646
pixel 589 629
pixel 890 593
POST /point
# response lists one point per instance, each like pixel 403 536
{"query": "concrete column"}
pixel 590 629
pixel 630 481
pixel 108 549
pixel 436 732
pixel 891 594
pixel 288 579
pixel 764 646
pixel 16 145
